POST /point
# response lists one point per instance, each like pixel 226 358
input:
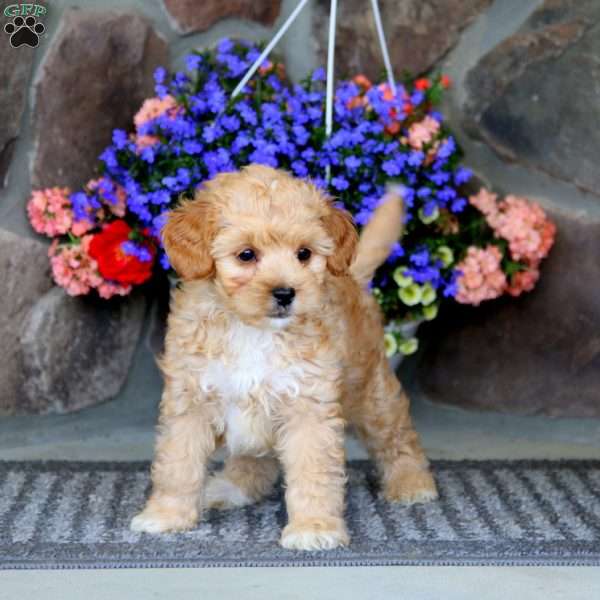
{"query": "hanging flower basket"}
pixel 106 237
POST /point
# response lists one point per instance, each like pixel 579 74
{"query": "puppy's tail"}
pixel 384 228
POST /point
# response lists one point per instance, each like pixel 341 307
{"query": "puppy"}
pixel 273 345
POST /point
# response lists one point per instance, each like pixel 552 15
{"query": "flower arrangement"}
pixel 106 237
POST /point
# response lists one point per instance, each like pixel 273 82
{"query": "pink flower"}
pixel 72 267
pixel 265 68
pixel 482 276
pixel 523 281
pixel 77 272
pixel 523 224
pixel 143 141
pixel 50 211
pixel 485 201
pixel 108 289
pixel 423 132
pixel 153 108
pixel 81 227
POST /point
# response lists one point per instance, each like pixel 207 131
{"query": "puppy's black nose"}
pixel 284 296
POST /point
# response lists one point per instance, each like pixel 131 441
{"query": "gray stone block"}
pixel 24 278
pixel 191 16
pixel 77 351
pixel 96 75
pixel 535 97
pixel 418 32
pixel 15 70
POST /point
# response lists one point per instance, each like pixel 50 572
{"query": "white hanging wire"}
pixel 330 59
pixel 383 45
pixel 269 47
pixel 330 78
pixel 330 69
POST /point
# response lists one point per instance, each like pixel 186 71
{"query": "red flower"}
pixel 445 81
pixel 422 84
pixel 114 264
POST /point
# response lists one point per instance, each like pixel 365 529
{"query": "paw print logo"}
pixel 24 31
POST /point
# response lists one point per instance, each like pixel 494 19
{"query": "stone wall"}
pixel 525 107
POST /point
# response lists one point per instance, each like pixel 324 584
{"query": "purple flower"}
pixel 318 74
pixel 391 168
pixel 224 46
pixel 164 261
pixel 215 98
pixel 301 134
pixel 352 162
pixel 362 216
pixel 158 223
pixel 193 61
pixel 230 123
pixel 417 97
pixel 161 90
pixel 192 147
pixel 159 74
pixel 81 205
pixel 299 168
pixel 140 251
pixel 172 183
pixel 458 205
pixel 439 177
pixel 429 208
pixel 109 157
pixel 420 258
pixel 396 252
pixel 159 197
pixel 415 158
pixel 247 113
pixel 120 139
pixel 212 132
pixel 241 141
pixel 340 183
pixel 264 158
pixel 462 175
pixel 447 148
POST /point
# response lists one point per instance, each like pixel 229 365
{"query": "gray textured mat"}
pixel 76 515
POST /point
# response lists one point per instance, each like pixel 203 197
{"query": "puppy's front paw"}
pixel 410 485
pixel 160 520
pixel 315 534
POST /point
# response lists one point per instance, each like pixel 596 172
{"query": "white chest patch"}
pixel 249 378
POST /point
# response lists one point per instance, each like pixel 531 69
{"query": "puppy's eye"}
pixel 247 255
pixel 304 254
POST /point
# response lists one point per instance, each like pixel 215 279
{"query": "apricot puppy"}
pixel 273 345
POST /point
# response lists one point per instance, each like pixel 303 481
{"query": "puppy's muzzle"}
pixel 284 296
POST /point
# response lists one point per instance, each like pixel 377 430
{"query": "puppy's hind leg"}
pixel 383 422
pixel 244 480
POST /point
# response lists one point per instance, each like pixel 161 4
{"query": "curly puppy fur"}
pixel 277 383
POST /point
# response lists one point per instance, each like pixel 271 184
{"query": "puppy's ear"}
pixel 187 237
pixel 341 228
